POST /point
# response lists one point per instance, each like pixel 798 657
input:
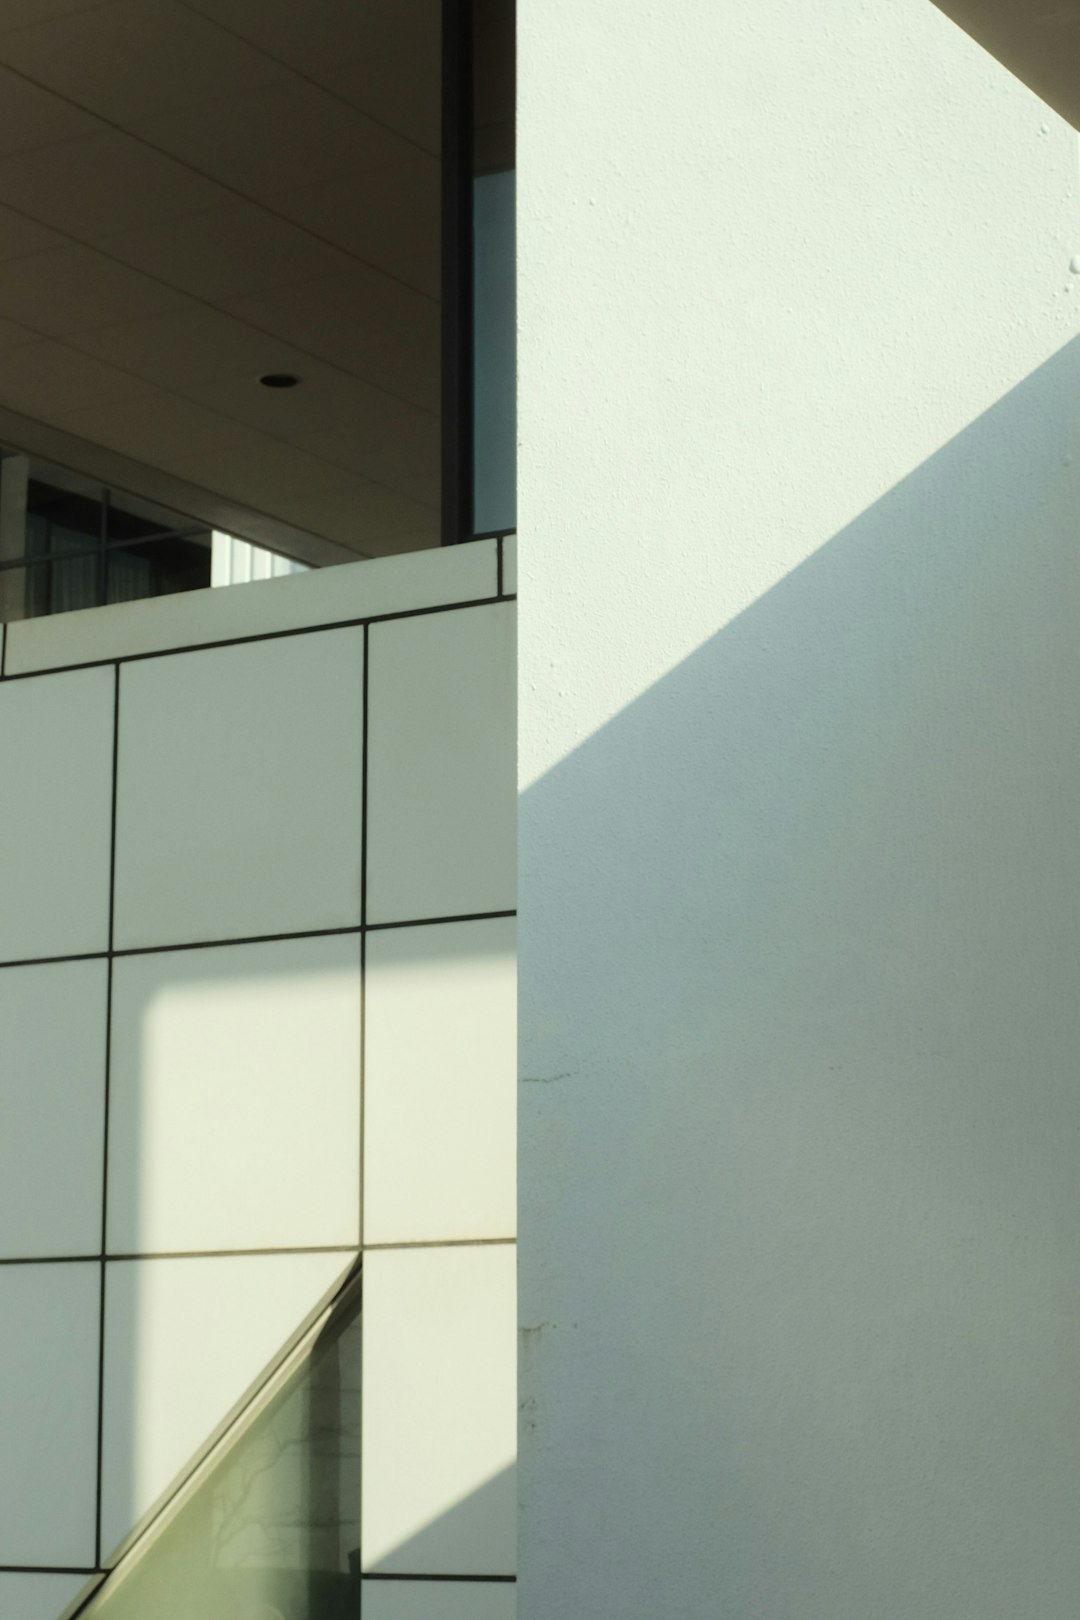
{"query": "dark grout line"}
pixel 253 939
pixel 50 1259
pixel 365 712
pixel 376 1576
pixel 105 1120
pixel 223 944
pixel 429 922
pixel 234 1254
pixel 117 1255
pixel 48 1569
pixel 264 635
pixel 51 961
pixel 444 1243
pixel 173 1254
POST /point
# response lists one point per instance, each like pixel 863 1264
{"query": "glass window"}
pixel 270 1528
pixel 494 313
pixel 65 543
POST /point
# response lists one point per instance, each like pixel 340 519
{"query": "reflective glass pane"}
pixel 494 312
pixel 272 1529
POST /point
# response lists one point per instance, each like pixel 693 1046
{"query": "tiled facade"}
pixel 257 1017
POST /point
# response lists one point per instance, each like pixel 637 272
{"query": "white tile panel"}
pixel 38 1597
pixel 52 1104
pixel 55 807
pixel 234 1099
pixel 439 1600
pixel 439 1411
pixel 238 802
pixel 185 1341
pixel 355 590
pixel 440 1083
pixel 48 1413
pixel 441 749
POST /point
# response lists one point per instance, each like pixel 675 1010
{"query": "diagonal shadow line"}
pixel 232 1430
pixel 828 866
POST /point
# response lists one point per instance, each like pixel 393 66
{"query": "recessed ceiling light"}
pixel 279 379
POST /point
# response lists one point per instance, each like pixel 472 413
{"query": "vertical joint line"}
pixel 105 1111
pixel 499 566
pixel 364 719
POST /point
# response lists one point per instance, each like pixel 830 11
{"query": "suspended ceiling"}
pixel 197 192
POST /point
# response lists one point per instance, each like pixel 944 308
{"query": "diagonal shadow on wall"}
pixel 801 1112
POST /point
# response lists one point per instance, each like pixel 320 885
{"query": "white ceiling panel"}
pixel 102 185
pixel 24 13
pixel 47 379
pixel 31 116
pixel 262 180
pixel 367 519
pixel 128 58
pixel 189 346
pixel 275 138
pixel 382 58
pixel 190 442
pixel 391 220
pixel 404 461
pixel 119 471
pixel 340 420
pixel 227 251
pixel 274 142
pixel 361 321
pixel 20 236
pixel 160 429
pixel 72 289
pixel 11 335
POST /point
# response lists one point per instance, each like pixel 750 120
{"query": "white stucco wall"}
pixel 800 794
